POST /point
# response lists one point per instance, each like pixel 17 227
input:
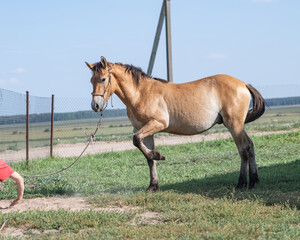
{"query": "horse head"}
pixel 102 85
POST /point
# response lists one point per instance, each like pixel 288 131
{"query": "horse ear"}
pixel 91 66
pixel 103 62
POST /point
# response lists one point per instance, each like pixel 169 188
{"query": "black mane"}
pixel 98 67
pixel 137 73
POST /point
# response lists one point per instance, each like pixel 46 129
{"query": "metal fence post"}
pixel 52 126
pixel 27 127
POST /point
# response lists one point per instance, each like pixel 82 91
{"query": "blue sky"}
pixel 44 44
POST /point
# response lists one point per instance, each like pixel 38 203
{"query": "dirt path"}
pixel 69 204
pixel 48 203
pixel 74 150
pixel 56 203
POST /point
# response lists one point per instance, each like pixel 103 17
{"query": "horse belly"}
pixel 192 123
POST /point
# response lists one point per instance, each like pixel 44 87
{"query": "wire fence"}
pixel 74 121
pixel 13 121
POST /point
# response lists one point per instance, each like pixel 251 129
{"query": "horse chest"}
pixel 135 123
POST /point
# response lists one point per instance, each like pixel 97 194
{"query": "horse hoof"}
pixel 253 180
pixel 252 184
pixel 153 188
pixel 156 156
pixel 240 186
pixel 159 156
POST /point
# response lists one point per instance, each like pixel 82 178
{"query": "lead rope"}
pixel 91 139
pixel 3 225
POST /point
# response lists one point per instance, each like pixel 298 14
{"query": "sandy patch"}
pixel 70 204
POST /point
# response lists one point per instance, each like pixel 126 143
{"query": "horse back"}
pixel 196 106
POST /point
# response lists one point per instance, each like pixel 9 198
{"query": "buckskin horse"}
pixel 155 105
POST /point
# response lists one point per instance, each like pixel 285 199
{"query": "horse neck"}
pixel 125 87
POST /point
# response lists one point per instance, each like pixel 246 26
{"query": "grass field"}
pixel 197 198
pixel 118 129
pixel 13 136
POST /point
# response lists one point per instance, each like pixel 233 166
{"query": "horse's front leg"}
pixel 153 126
pixel 153 186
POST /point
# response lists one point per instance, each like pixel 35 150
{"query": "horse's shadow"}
pixel 279 183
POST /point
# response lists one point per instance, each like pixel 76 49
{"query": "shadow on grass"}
pixel 279 183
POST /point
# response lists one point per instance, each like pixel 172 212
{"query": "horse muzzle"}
pixel 97 103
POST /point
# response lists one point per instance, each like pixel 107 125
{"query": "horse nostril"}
pixel 97 103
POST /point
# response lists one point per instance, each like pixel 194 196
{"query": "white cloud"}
pixel 216 56
pixel 19 70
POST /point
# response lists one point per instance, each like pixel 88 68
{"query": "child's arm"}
pixel 20 188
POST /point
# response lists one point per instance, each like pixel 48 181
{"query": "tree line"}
pixel 46 117
pixel 283 101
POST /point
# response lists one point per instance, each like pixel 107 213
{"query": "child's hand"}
pixel 15 202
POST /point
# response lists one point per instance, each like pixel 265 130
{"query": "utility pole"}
pixel 164 14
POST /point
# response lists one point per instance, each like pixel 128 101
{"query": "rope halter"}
pixel 105 90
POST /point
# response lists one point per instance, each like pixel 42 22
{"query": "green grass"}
pixel 197 198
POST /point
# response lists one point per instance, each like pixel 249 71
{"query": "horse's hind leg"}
pixel 252 164
pixel 246 151
pixel 149 142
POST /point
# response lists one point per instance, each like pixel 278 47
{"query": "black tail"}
pixel 258 108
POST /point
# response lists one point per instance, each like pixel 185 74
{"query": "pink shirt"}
pixel 5 170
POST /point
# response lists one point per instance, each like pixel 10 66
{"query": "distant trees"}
pixel 46 117
pixel 283 101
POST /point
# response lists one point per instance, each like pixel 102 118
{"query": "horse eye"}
pixel 103 79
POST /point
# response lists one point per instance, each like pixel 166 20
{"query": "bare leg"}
pixel 20 188
pixel 149 142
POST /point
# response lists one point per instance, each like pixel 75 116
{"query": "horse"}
pixel 156 105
